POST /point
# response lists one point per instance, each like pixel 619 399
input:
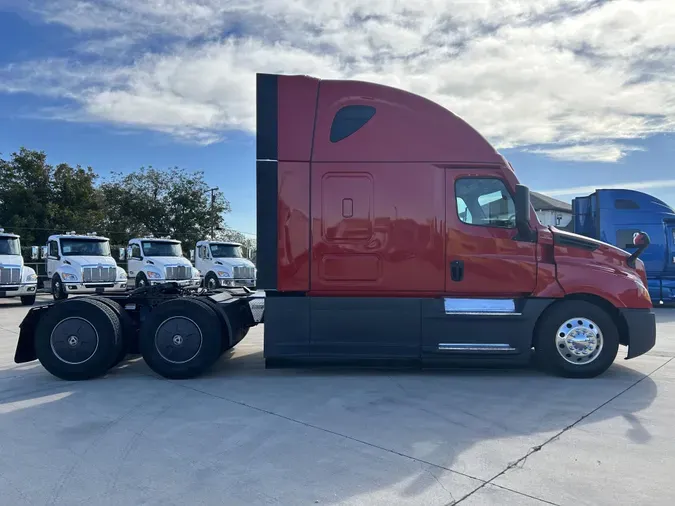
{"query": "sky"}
pixel 577 94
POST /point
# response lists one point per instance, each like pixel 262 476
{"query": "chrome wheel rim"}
pixel 212 283
pixel 579 341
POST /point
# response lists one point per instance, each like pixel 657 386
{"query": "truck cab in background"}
pixel 616 215
pixel 82 264
pixel 16 279
pixel 156 260
pixel 222 264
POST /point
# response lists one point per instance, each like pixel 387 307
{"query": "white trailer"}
pixel 81 264
pixel 157 260
pixel 16 279
pixel 222 264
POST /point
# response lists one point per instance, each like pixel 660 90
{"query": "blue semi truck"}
pixel 613 216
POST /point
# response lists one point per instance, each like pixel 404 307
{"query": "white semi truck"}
pixel 157 260
pixel 81 264
pixel 16 279
pixel 222 264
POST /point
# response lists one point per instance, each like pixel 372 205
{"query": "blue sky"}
pixel 576 94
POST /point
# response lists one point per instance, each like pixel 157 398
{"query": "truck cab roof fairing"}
pixel 404 128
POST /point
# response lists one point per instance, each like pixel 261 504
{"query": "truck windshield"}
pixel 162 249
pixel 226 251
pixel 9 246
pixel 85 247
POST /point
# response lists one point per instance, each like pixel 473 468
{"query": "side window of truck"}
pixel 53 249
pixel 350 119
pixel 485 201
pixel 135 251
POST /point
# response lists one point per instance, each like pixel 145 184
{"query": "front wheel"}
pixel 576 339
pixel 28 300
pixel 211 282
pixel 58 288
pixel 142 281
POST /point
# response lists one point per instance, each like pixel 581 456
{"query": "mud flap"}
pixel 25 348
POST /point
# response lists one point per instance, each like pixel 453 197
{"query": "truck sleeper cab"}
pixel 222 264
pixel 82 264
pixel 16 279
pixel 153 261
pixel 388 228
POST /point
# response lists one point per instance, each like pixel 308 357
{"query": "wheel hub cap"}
pixel 74 340
pixel 178 339
pixel 579 341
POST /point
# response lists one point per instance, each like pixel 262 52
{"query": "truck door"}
pixel 134 262
pixel 484 259
pixel 53 258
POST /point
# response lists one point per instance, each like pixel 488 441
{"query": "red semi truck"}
pixel 388 229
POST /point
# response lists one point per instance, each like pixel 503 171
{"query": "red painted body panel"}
pixel 293 227
pixel 389 238
pixel 495 265
pixel 297 106
pixel 405 128
pixel 603 272
pixel 379 212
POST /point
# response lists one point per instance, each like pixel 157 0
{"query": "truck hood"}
pixel 163 262
pixel 11 260
pixel 81 261
pixel 233 262
pixel 572 240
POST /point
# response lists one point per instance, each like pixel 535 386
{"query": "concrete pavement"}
pixel 246 435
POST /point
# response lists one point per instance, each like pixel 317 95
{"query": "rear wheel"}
pixel 128 329
pixel 181 338
pixel 28 300
pixel 78 339
pixel 576 339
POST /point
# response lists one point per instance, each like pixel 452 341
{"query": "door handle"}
pixel 457 270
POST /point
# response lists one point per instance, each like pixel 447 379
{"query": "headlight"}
pixel 66 276
pixel 121 275
pixel 154 275
pixel 223 274
pixel 195 273
pixel 31 278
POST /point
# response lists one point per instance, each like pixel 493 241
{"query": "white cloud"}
pixel 576 76
pixel 634 185
pixel 600 152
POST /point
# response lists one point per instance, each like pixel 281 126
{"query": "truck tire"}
pixel 58 288
pixel 142 280
pixel 128 329
pixel 211 282
pixel 181 338
pixel 28 300
pixel 78 339
pixel 576 339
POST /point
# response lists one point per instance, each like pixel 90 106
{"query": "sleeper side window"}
pixel 350 119
pixel 485 201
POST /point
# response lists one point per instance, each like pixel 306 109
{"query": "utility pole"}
pixel 213 216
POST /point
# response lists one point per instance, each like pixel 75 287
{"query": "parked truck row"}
pixel 79 264
pixel 388 229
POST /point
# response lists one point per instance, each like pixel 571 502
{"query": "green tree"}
pixel 26 195
pixel 173 202
pixel 77 202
